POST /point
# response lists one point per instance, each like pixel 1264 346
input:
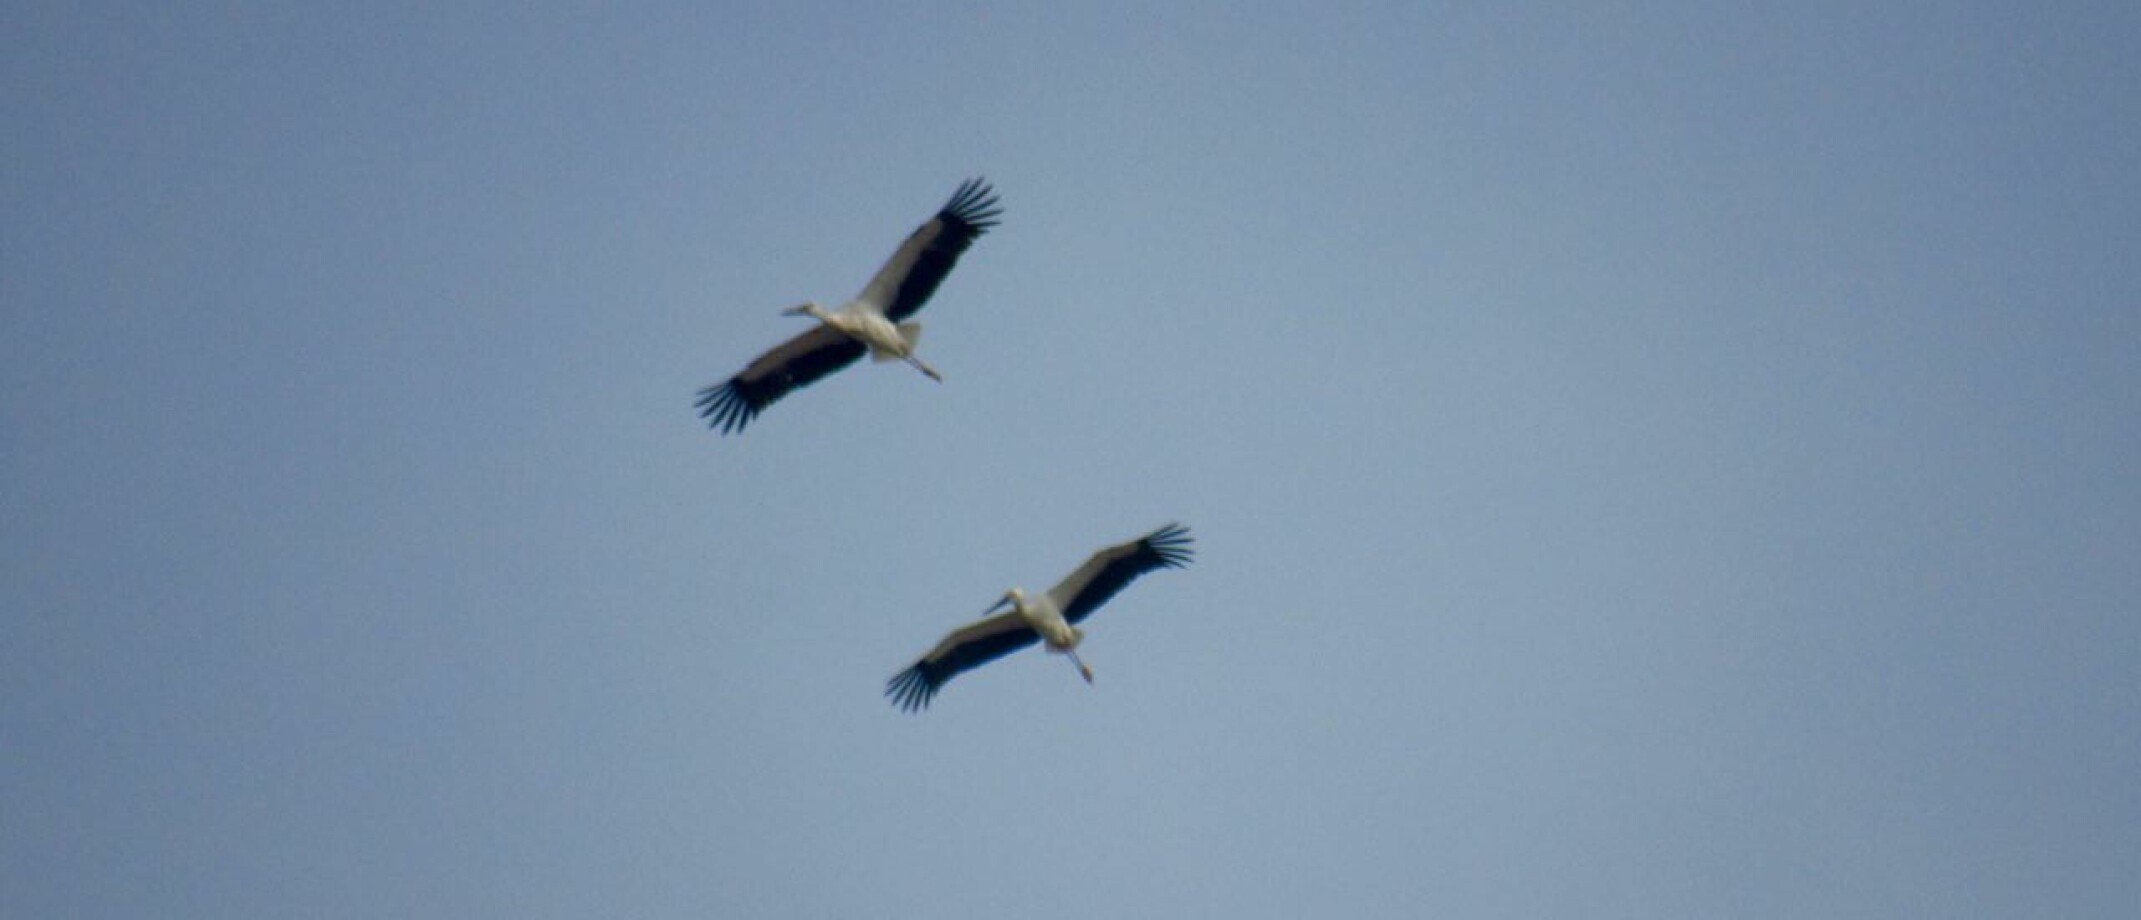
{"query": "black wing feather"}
pixel 728 407
pixel 970 213
pixel 912 689
pixel 1165 548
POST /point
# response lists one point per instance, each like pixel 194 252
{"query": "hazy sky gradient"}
pixel 1647 460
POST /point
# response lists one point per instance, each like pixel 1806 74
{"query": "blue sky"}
pixel 1647 460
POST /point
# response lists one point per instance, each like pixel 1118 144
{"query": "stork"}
pixel 872 322
pixel 1051 617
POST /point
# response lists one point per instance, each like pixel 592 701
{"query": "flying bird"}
pixel 872 322
pixel 1051 617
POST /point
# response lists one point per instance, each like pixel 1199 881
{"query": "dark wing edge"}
pixel 912 689
pixel 1165 548
pixel 798 362
pixel 971 212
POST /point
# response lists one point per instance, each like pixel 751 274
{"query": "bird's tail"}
pixel 909 333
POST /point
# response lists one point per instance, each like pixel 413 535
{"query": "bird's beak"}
pixel 797 310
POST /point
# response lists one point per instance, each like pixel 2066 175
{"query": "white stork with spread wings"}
pixel 872 322
pixel 1052 616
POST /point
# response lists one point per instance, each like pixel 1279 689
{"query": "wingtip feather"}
pixel 724 407
pixel 1171 544
pixel 974 204
pixel 910 690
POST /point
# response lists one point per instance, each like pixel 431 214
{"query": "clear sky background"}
pixel 1647 460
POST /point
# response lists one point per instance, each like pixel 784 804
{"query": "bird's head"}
pixel 1016 598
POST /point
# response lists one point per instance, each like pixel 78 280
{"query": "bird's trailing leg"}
pixel 922 366
pixel 1083 671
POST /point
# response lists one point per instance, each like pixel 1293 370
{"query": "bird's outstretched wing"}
pixel 798 362
pixel 965 649
pixel 1111 569
pixel 920 264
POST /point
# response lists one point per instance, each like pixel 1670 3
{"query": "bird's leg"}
pixel 1083 671
pixel 926 370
